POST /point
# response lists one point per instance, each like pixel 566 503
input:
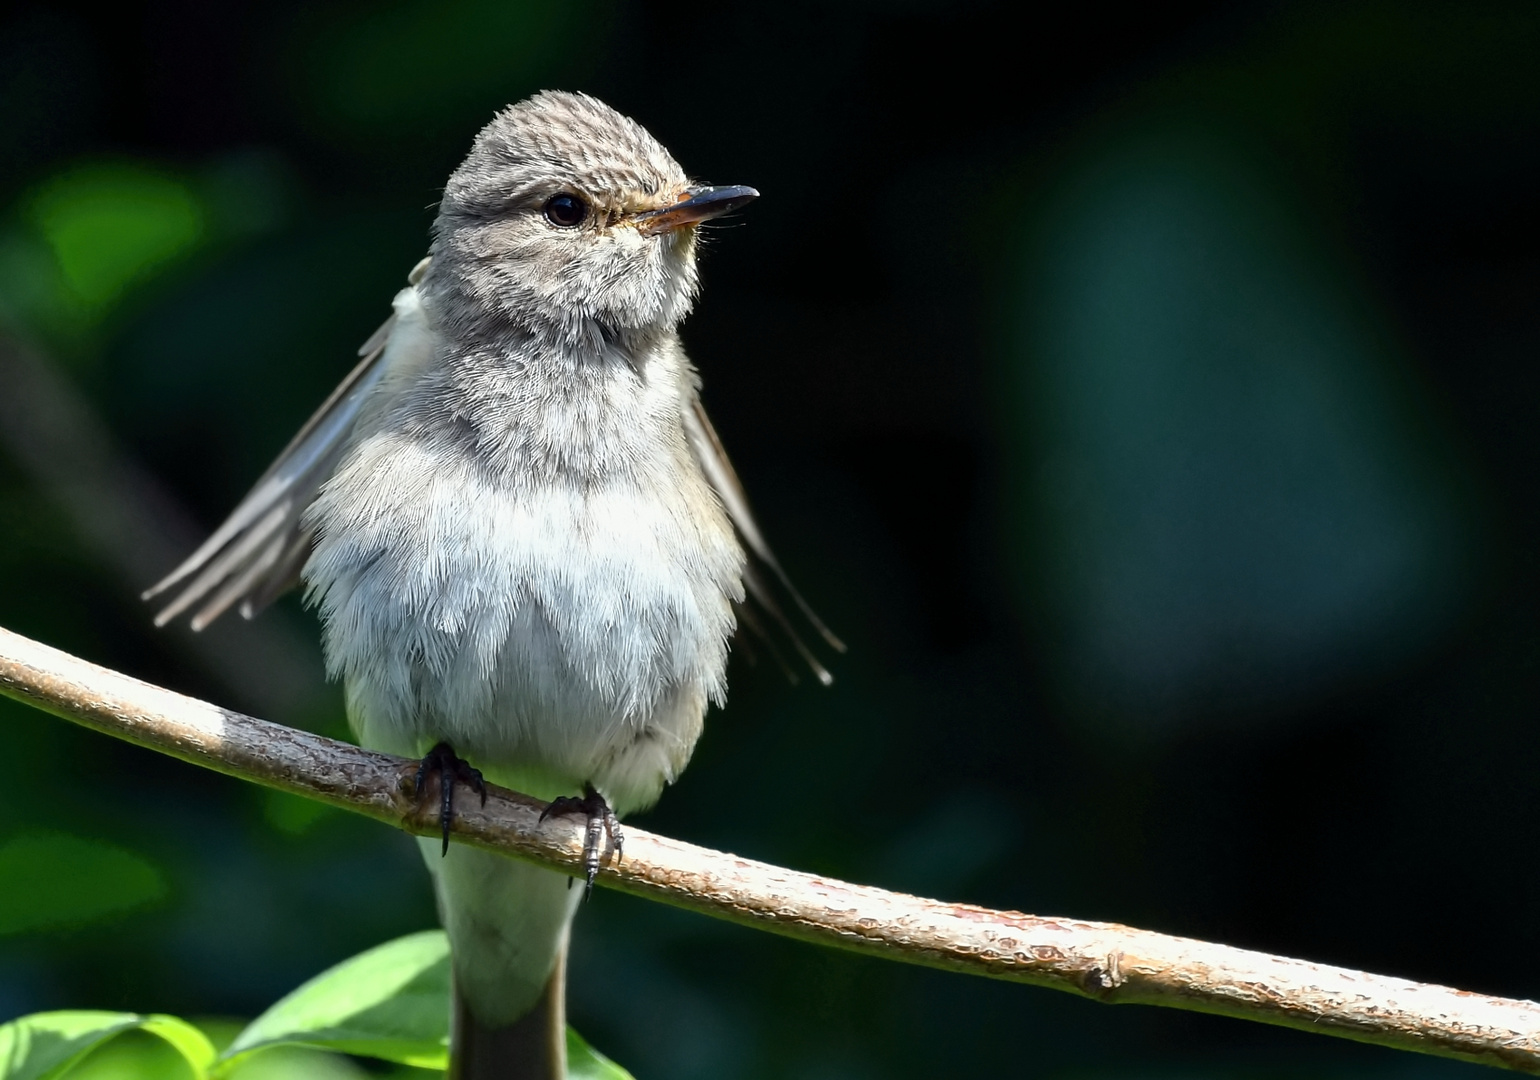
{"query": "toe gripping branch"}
pixel 444 763
pixel 602 825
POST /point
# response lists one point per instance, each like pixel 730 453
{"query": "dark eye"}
pixel 565 210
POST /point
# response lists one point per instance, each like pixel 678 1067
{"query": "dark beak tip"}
pixel 703 204
pixel 722 199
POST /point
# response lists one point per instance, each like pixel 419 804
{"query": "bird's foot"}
pixel 602 824
pixel 442 762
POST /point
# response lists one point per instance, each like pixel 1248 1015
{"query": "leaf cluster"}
pixel 390 1003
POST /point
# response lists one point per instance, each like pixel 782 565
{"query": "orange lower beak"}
pixel 703 204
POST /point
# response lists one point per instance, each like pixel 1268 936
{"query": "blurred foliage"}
pixel 110 225
pixel 1234 512
pixel 72 881
pixel 1148 398
pixel 411 64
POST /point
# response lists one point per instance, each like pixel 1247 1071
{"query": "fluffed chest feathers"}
pixel 527 613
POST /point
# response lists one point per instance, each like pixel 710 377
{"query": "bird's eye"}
pixel 565 210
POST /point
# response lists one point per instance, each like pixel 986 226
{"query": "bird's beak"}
pixel 702 204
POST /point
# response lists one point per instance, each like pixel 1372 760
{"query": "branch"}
pixel 1102 961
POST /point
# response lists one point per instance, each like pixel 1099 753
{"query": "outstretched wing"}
pixel 763 577
pixel 257 554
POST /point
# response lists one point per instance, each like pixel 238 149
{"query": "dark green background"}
pixel 1148 399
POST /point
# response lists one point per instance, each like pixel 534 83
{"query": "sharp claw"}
pixel 446 783
pixel 591 840
pixel 449 767
pixel 601 823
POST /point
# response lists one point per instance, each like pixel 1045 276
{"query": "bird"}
pixel 527 547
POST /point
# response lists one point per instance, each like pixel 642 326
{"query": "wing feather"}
pixel 724 480
pixel 257 553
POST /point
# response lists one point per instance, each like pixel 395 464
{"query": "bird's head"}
pixel 569 218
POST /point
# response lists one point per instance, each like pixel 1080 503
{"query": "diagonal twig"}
pixel 1103 961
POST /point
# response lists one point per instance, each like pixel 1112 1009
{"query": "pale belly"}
pixel 553 639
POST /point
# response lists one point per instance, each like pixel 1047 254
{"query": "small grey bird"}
pixel 521 531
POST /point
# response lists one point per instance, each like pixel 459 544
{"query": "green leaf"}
pixel 189 1041
pixel 586 1063
pixel 391 1002
pixel 303 1063
pixel 43 1046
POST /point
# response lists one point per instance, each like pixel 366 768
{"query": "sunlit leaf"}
pixel 44 1046
pixel 586 1063
pixel 292 1062
pixel 132 1055
pixel 188 1040
pixel 391 1002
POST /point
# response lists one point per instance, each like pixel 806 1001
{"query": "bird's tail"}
pixel 508 922
pixel 533 1047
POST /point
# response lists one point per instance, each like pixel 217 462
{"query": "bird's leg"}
pixel 443 762
pixel 602 824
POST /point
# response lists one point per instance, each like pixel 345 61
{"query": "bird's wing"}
pixel 763 577
pixel 257 554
